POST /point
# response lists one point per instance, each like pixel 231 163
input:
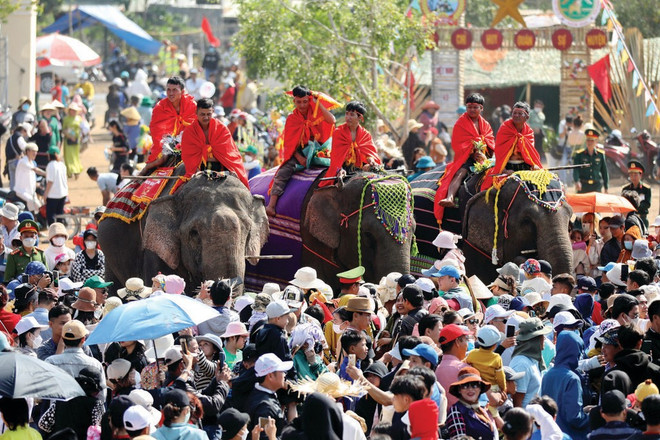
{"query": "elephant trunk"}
pixel 396 259
pixel 554 246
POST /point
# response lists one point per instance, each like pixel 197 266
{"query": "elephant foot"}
pixel 447 203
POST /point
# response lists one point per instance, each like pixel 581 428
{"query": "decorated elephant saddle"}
pixel 284 228
pixel 542 187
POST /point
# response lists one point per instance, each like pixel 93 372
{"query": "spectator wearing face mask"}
pixel 57 235
pixel 90 261
pixel 26 252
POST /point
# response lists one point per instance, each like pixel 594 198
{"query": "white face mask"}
pixel 29 242
pixel 337 328
pixel 244 435
pixel 58 241
pixel 90 245
pixel 98 313
pixel 37 341
pixel 187 419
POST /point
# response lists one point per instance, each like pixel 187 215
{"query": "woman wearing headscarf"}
pixel 307 343
pixel 528 357
pixel 321 419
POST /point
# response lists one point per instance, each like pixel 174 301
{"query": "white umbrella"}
pixel 60 50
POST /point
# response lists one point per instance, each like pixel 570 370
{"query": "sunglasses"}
pixel 472 321
pixel 465 386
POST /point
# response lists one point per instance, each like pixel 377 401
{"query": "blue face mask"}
pixel 628 245
pixel 25 107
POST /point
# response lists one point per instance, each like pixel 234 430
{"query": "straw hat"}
pixel 306 278
pixel 133 290
pixel 57 104
pixel 132 115
pixel 75 107
pixel 48 107
pixel 413 124
pixel 330 384
pixel 479 288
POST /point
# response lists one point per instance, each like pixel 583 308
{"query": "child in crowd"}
pixel 487 361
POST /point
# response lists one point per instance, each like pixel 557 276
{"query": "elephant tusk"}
pixel 529 251
pixel 269 257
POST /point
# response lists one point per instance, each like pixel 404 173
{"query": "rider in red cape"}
pixel 208 143
pixel 352 145
pixel 170 116
pixel 310 120
pixel 514 146
pixel 470 127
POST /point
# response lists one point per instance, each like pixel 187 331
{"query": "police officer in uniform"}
pixel 350 281
pixel 635 174
pixel 594 177
pixel 18 260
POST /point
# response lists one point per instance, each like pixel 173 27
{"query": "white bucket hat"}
pixel 446 240
pixel 270 289
pixel 306 278
pixel 9 211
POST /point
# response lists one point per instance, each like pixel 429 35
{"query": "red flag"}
pixel 206 27
pixel 600 74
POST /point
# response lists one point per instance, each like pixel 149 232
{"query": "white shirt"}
pixel 56 173
pixel 192 87
pixel 26 179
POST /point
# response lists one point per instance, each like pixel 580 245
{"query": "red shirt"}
pixel 8 321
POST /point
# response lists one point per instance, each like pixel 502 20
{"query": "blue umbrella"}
pixel 150 318
pixel 26 376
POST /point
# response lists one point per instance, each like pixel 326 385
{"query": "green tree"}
pixel 6 8
pixel 641 14
pixel 351 50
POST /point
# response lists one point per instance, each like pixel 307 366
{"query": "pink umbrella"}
pixel 60 50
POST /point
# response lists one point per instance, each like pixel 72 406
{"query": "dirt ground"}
pixel 84 192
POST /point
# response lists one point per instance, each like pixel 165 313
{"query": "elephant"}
pixel 526 230
pixel 328 232
pixel 203 231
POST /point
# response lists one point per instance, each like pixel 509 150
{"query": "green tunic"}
pixel 593 177
pixel 19 259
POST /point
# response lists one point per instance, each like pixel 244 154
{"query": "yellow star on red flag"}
pixel 508 8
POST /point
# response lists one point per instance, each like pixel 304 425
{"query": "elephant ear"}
pixel 322 216
pixel 259 229
pixel 161 231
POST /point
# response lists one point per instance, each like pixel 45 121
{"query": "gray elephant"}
pixel 325 236
pixel 525 230
pixel 203 231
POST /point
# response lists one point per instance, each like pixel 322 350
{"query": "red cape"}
pixel 344 149
pixel 165 120
pixel 509 138
pixel 195 149
pixel 298 129
pixel 462 137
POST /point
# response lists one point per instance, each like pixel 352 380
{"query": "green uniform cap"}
pixel 28 225
pixel 351 276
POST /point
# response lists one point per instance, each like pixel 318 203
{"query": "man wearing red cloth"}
pixel 309 121
pixel 514 146
pixel 470 130
pixel 207 144
pixel 352 145
pixel 170 116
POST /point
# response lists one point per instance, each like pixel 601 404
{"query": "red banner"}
pixel 562 39
pixel 206 28
pixel 151 188
pixel 461 39
pixel 600 74
pixel 491 39
pixel 524 39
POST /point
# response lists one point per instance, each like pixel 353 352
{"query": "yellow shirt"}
pixel 21 433
pixel 489 365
